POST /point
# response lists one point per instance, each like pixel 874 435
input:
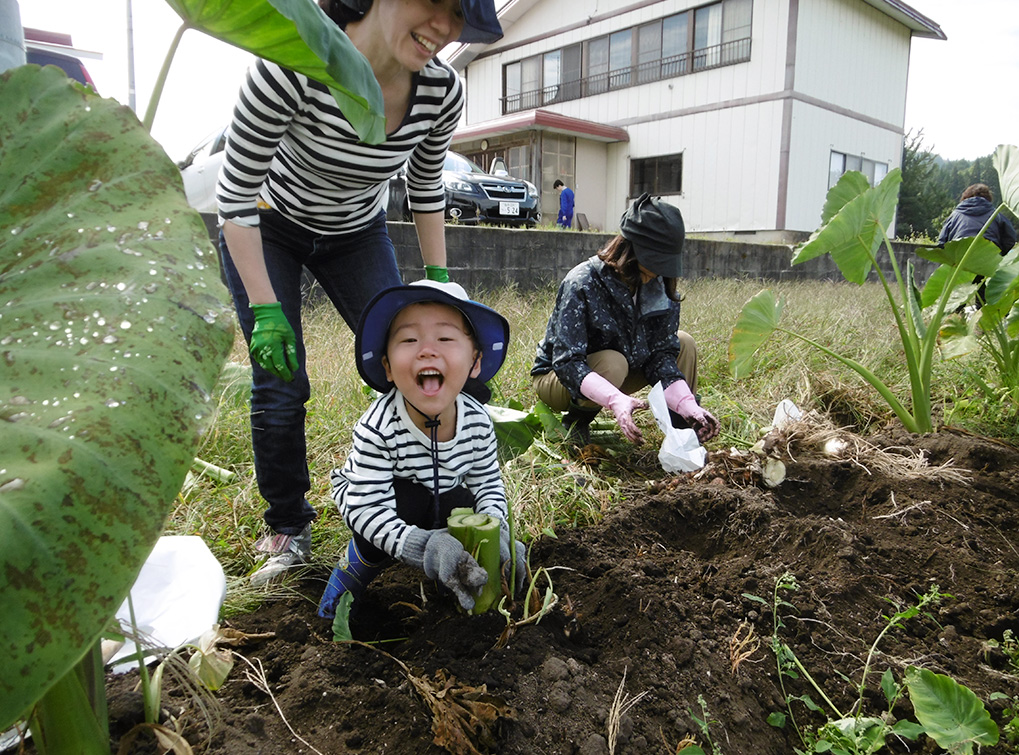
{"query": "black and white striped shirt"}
pixel 290 146
pixel 388 444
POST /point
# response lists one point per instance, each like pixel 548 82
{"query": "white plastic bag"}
pixel 786 412
pixel 681 451
pixel 177 596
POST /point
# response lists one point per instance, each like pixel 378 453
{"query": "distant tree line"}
pixel 931 188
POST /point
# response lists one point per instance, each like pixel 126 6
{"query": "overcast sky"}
pixel 961 91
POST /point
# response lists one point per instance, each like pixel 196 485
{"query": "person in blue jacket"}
pixel 975 206
pixel 565 219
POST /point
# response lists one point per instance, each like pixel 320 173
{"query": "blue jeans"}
pixel 351 268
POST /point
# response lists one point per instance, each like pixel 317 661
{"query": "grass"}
pixel 549 488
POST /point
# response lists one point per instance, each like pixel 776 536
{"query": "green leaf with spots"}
pixel 113 330
pixel 298 35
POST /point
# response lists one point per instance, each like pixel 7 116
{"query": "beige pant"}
pixel 612 366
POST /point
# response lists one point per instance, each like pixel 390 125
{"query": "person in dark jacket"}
pixel 615 329
pixel 975 206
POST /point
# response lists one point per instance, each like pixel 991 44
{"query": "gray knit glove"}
pixel 442 557
pixel 504 558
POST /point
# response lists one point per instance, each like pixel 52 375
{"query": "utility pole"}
pixel 130 59
pixel 12 38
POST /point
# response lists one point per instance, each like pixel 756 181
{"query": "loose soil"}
pixel 649 603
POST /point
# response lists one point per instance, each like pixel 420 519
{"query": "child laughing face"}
pixel 430 353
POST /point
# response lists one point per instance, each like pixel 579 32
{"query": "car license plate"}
pixel 509 208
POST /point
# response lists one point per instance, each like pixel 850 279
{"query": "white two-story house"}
pixel 741 112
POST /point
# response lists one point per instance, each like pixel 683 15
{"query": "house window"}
pixel 571 73
pixel 511 87
pixel 598 65
pixel 840 163
pixel 542 79
pixel 519 162
pixel 551 76
pixel 656 175
pixel 620 58
pixel 675 44
pixel 649 52
pixel 715 34
pixel 736 19
pixel 707 36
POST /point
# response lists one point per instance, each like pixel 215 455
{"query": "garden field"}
pixel 665 586
pixel 651 602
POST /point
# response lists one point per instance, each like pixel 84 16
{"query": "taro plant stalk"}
pixel 855 218
pixel 479 535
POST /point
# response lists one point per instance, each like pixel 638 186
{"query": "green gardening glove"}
pixel 437 273
pixel 273 343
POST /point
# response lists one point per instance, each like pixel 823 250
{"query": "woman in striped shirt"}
pixel 298 190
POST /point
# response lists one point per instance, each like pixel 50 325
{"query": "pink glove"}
pixel 603 393
pixel 679 398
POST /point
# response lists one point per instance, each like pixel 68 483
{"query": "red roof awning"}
pixel 541 120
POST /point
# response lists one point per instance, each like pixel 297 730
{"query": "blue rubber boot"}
pixel 352 574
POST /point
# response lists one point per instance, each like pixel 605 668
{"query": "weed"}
pixel 946 711
pixel 535 607
pixel 1009 646
pixel 1010 717
pixel 704 724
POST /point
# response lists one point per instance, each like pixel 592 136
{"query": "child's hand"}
pixel 447 561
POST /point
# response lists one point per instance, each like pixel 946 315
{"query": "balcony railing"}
pixel 727 53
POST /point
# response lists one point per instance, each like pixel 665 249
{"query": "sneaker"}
pixel 285 552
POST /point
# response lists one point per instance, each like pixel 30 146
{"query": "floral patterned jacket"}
pixel 594 311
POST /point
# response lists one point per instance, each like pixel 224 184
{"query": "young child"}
pixel 424 447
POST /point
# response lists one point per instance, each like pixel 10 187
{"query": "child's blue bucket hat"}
pixel 490 328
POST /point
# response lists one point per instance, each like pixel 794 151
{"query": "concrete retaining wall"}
pixel 485 259
pixel 482 258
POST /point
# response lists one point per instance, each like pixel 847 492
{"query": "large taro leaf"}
pixel 514 430
pixel 949 712
pixel 298 35
pixel 983 259
pixel 1002 292
pixel 1006 162
pixel 854 233
pixel 958 336
pixel 755 324
pixel 113 329
pixel 851 185
pixel 934 288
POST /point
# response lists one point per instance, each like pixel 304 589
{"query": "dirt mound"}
pixel 660 593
